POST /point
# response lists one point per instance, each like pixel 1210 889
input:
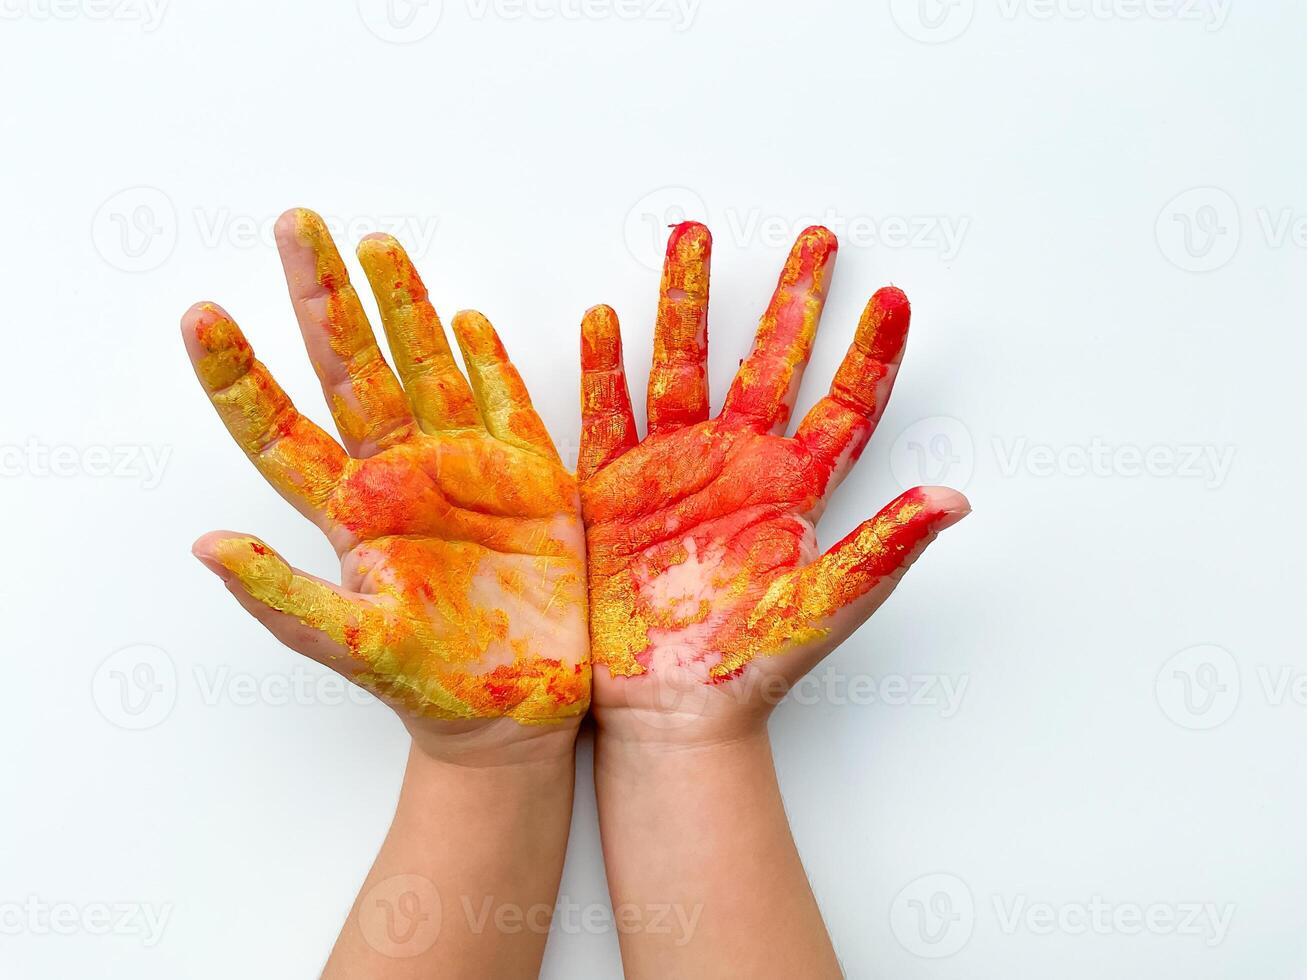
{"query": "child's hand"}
pixel 708 597
pixel 462 553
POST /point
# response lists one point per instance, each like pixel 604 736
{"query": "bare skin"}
pixel 709 600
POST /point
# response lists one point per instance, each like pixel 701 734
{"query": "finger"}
pixel 837 428
pixel 500 394
pixel 365 398
pixel 678 380
pixel 820 605
pixel 437 390
pixel 762 395
pixel 301 461
pixel 607 421
pixel 343 630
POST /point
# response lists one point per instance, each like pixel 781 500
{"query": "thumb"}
pixel 819 606
pixel 324 622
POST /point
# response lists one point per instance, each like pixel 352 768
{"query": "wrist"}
pixel 640 730
pixel 621 757
pixel 502 743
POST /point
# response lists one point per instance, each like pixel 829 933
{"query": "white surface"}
pixel 529 159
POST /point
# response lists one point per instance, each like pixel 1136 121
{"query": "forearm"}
pixel 700 856
pixel 467 879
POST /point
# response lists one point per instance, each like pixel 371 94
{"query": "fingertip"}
pixel 811 259
pixel 208 548
pixel 598 321
pixel 601 341
pixel 687 238
pixel 818 239
pixel 883 329
pixel 377 245
pixel 476 336
pixel 208 560
pixel 201 312
pixel 945 505
pixel 215 345
pixel 890 298
pixel 297 226
pixel 471 320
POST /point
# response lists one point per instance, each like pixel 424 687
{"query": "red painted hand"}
pixel 704 575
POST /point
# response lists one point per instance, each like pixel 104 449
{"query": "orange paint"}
pixel 458 529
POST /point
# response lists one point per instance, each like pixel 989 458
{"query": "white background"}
pixel 1095 310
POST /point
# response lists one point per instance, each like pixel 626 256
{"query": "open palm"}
pixel 703 561
pixel 458 529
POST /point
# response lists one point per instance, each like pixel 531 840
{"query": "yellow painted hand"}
pixel 458 528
